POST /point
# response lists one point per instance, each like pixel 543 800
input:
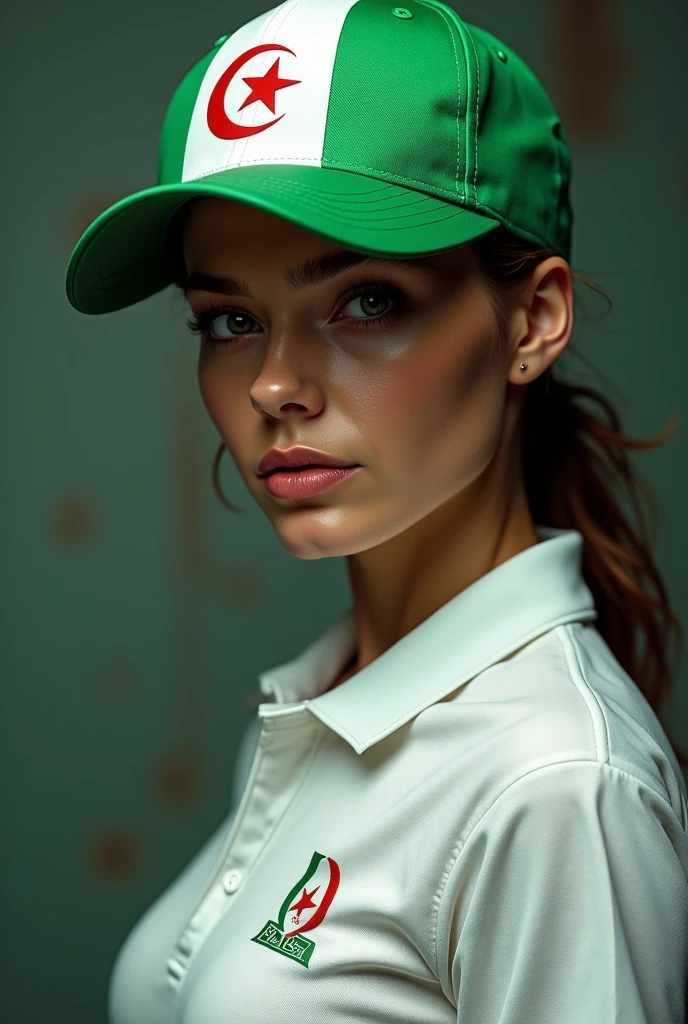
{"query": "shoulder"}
pixel 625 733
pixel 570 890
pixel 563 699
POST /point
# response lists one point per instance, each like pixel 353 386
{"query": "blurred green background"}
pixel 137 611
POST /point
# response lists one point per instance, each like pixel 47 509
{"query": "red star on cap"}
pixel 305 901
pixel 264 88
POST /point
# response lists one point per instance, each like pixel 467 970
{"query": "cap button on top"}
pixel 221 40
pixel 501 55
pixel 401 12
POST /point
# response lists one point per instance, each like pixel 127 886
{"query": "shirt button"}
pixel 231 881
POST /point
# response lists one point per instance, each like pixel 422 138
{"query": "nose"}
pixel 287 384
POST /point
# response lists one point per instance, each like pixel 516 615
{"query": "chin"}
pixel 311 540
pixel 310 533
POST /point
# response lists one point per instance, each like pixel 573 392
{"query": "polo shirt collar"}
pixel 527 595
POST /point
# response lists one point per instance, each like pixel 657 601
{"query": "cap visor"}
pixel 120 259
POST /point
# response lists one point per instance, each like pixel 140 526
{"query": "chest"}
pixel 321 893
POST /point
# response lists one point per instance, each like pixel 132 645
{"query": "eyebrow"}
pixel 309 272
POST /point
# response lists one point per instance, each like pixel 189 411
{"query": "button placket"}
pixel 287 746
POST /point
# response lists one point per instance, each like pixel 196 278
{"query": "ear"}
pixel 543 320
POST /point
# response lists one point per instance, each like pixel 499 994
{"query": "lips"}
pixel 294 459
pixel 297 469
pixel 307 482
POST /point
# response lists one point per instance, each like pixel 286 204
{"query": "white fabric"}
pixel 310 29
pixel 505 814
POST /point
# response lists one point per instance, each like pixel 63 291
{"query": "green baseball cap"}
pixel 393 131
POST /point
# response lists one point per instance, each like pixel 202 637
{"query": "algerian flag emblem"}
pixel 303 908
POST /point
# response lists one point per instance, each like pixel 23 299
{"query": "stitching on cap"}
pixel 402 181
pixel 453 212
pixel 340 214
pixel 465 57
pixel 458 80
pixel 339 166
pixel 328 200
pixel 483 206
pixel 465 176
pixel 458 108
pixel 342 201
pixel 477 103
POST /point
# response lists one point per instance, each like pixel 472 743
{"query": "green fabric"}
pixel 362 132
pixel 524 164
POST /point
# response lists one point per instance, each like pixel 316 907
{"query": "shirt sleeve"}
pixel 568 902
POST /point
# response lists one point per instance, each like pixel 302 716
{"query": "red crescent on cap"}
pixel 218 122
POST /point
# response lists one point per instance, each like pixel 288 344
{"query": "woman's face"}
pixel 385 366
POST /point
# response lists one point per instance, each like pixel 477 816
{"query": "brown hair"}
pixel 574 462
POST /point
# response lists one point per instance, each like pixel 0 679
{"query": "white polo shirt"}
pixel 486 824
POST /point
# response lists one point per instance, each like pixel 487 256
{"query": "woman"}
pixel 459 803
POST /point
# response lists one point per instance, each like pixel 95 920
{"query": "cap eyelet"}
pixel 502 56
pixel 220 41
pixel 401 12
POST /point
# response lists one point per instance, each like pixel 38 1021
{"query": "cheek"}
pixel 226 404
pixel 439 413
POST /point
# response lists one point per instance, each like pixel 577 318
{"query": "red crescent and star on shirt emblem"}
pixel 305 903
pixel 292 943
pixel 262 90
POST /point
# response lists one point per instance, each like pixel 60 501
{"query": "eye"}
pixel 229 325
pixel 221 326
pixel 371 301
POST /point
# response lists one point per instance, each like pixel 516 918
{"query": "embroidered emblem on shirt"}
pixel 303 908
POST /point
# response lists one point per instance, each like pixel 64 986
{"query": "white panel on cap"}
pixel 310 28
